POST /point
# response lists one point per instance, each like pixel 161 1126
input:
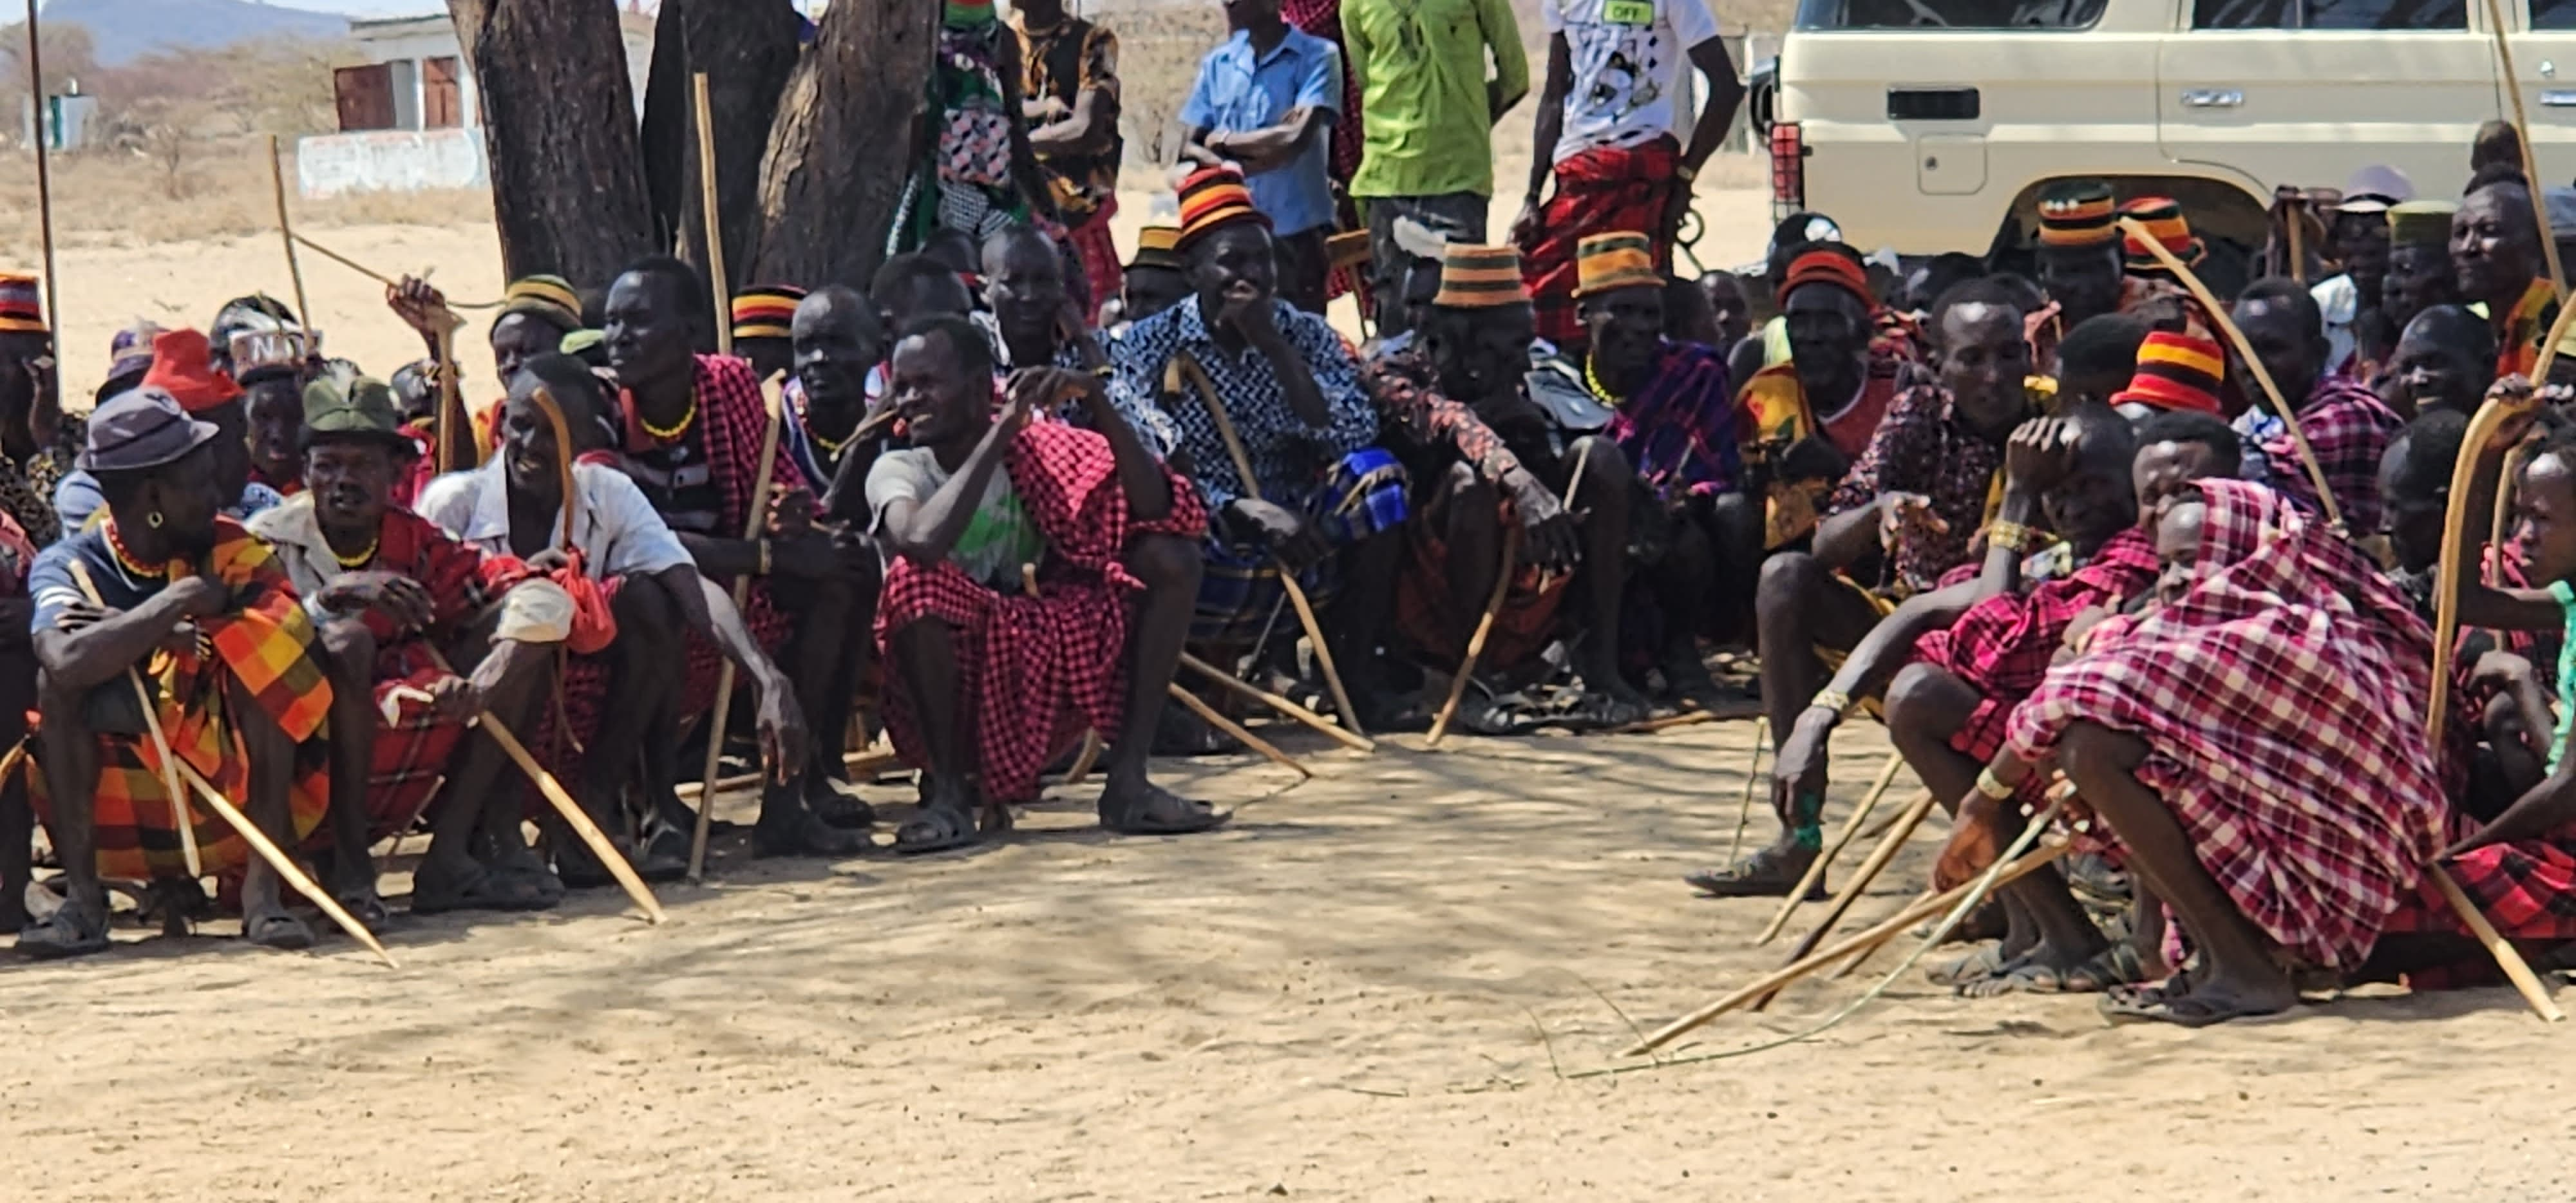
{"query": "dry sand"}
pixel 1341 997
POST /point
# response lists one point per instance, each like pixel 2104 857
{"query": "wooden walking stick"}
pixel 377 276
pixel 1237 685
pixel 2522 138
pixel 2490 419
pixel 569 810
pixel 286 231
pixel 173 769
pixel 1752 774
pixel 45 171
pixel 1476 643
pixel 752 526
pixel 717 280
pixel 1083 761
pixel 1816 868
pixel 2226 324
pixel 2004 872
pixel 1211 716
pixel 1184 366
pixel 1879 858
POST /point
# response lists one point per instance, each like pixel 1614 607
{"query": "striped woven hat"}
pixel 2162 216
pixel 22 304
pixel 1480 277
pixel 2176 371
pixel 1158 246
pixel 1831 263
pixel 549 299
pixel 1213 198
pixel 2421 223
pixel 2077 213
pixel 765 311
pixel 1620 259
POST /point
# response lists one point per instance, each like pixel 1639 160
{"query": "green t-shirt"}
pixel 998 539
pixel 1427 128
pixel 2566 598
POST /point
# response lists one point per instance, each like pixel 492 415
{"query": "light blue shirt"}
pixel 1239 91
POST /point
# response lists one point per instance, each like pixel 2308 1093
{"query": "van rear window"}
pixel 1949 14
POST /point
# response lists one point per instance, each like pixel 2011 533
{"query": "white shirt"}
pixel 2339 302
pixel 1633 80
pixel 618 531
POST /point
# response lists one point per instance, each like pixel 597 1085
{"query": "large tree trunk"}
pixel 559 128
pixel 844 141
pixel 747 48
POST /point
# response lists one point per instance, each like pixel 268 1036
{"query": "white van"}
pixel 1931 125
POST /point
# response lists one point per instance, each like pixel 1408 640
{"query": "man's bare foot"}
pixel 2044 969
pixel 787 828
pixel 1769 873
pixel 1143 808
pixel 834 808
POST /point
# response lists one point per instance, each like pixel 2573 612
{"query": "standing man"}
pixel 2495 257
pixel 1266 101
pixel 1617 97
pixel 2350 300
pixel 2419 261
pixel 1069 93
pixel 1428 110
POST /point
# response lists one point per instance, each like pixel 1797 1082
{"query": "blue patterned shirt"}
pixel 1290 457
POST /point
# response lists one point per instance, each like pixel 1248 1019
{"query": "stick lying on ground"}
pixel 1879 858
pixel 1211 717
pixel 1232 683
pixel 1816 869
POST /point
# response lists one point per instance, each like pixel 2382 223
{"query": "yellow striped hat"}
pixel 1159 246
pixel 1621 259
pixel 2077 213
pixel 765 311
pixel 549 299
pixel 1480 277
pixel 22 304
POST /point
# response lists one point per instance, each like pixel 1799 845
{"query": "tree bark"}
pixel 747 48
pixel 560 132
pixel 845 139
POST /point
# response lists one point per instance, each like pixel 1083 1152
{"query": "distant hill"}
pixel 125 30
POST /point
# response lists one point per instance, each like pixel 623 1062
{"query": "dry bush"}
pixel 125 199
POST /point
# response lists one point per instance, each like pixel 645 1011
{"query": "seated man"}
pixel 2346 425
pixel 515 506
pixel 202 610
pixel 183 370
pixel 1156 279
pixel 839 347
pixel 2171 373
pixel 692 435
pixel 2445 359
pixel 1456 406
pixel 1011 549
pixel 1235 371
pixel 1035 321
pixel 1671 418
pixel 1918 495
pixel 2099 358
pixel 2084 269
pixel 396 596
pixel 2255 746
pixel 1810 417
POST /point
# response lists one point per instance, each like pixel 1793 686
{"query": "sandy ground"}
pixel 1341 997
pixel 106 288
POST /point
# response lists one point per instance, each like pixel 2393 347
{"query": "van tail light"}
pixel 1788 165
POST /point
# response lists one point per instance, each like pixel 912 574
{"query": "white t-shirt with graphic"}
pixel 1633 81
pixel 997 540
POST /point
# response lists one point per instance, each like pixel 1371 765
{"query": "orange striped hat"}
pixel 2176 371
pixel 2162 216
pixel 765 310
pixel 1480 277
pixel 1211 199
pixel 2077 213
pixel 1620 259
pixel 1158 246
pixel 1829 263
pixel 22 304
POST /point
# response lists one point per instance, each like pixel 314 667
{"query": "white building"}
pixel 411 117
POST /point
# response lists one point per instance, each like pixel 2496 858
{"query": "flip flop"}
pixel 1195 817
pixel 2182 1010
pixel 1975 967
pixel 60 935
pixel 2023 976
pixel 936 829
pixel 1753 878
pixel 279 931
pixel 485 890
pixel 2118 964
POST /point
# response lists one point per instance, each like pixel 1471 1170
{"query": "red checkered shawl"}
pixel 2003 646
pixel 2282 701
pixel 1039 670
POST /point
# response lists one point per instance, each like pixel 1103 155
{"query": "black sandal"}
pixel 279 930
pixel 936 829
pixel 62 934
pixel 485 890
pixel 1755 877
pixel 1166 813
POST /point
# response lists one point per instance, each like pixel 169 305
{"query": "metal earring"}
pixel 153 520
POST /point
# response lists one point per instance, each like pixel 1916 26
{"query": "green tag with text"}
pixel 1628 12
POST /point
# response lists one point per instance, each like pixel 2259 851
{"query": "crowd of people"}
pixel 2031 515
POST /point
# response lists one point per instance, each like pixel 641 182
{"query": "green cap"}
pixel 342 404
pixel 2421 223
